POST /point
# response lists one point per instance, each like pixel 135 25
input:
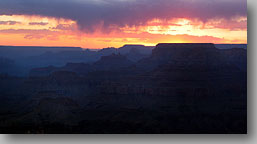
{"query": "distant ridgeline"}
pixel 24 51
pixel 184 55
pixel 26 58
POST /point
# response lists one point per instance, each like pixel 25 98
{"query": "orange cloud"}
pixel 45 31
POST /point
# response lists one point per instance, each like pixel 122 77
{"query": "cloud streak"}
pixel 110 14
pixel 9 22
pixel 38 23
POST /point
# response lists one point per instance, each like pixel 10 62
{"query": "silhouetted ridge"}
pixel 179 50
pixel 186 45
pixel 188 55
pixel 141 49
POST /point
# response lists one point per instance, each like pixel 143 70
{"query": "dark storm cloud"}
pixel 90 13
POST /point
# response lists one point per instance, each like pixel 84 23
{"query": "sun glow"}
pixel 47 31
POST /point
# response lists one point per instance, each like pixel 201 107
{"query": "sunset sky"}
pixel 113 23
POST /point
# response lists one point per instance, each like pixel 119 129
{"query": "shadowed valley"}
pixel 169 88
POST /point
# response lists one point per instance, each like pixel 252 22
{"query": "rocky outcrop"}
pixel 191 75
pixel 188 51
pixel 146 50
pixel 189 55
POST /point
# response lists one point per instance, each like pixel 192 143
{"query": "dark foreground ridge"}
pixel 178 88
pixel 185 45
pixel 183 49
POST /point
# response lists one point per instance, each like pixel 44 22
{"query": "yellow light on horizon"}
pixel 179 30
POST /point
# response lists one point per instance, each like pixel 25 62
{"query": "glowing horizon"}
pixel 99 30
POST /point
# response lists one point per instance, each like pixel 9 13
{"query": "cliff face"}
pixel 189 51
pixel 196 73
pixel 198 55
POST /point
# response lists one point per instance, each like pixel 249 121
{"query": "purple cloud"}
pixel 38 23
pixel 8 22
pixel 89 14
pixel 65 27
pixel 31 36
